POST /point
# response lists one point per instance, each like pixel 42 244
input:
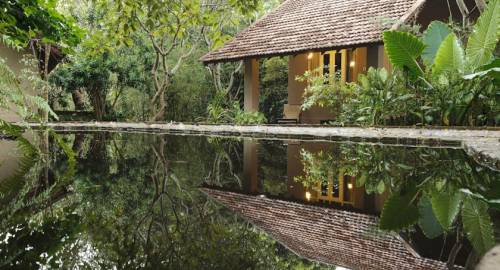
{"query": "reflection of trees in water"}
pixel 226 162
pixel 443 191
pixel 132 203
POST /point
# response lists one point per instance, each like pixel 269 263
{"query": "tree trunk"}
pixel 45 94
pixel 98 103
pixel 78 100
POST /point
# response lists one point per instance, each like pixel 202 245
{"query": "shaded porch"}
pixel 345 63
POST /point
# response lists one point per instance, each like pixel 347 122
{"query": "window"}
pixel 335 62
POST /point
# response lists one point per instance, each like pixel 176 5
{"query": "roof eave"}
pixel 282 54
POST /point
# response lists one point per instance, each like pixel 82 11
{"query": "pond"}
pixel 103 200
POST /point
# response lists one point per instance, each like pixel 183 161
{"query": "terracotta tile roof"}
pixel 330 236
pixel 303 25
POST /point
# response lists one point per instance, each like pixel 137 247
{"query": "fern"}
pixel 12 184
pixel 11 95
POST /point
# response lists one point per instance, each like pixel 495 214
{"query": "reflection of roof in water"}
pixel 329 236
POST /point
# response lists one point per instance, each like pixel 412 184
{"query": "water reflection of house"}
pixel 338 190
pixel 330 236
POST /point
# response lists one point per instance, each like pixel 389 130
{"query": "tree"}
pixel 91 74
pixel 170 26
pixel 38 25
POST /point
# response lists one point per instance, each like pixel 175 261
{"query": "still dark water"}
pixel 128 201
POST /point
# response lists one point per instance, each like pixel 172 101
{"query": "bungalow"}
pixel 333 36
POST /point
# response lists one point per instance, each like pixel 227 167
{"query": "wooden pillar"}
pixel 383 59
pixel 251 78
pixel 250 166
pixel 294 168
pixel 297 66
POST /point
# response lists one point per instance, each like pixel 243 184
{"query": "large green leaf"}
pixel 484 37
pixel 399 212
pixel 446 207
pixel 450 56
pixel 492 70
pixel 477 225
pixel 433 37
pixel 403 50
pixel 427 220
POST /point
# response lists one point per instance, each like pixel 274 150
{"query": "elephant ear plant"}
pixel 434 60
pixel 439 65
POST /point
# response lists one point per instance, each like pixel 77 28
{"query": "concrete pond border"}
pixel 482 144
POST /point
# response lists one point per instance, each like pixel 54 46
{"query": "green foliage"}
pixel 427 220
pixel 446 206
pixel 450 56
pixel 93 74
pixel 419 193
pixel 219 112
pixel 318 168
pixel 249 118
pixel 399 212
pixel 324 91
pixel 432 38
pixel 484 37
pixel 21 21
pixel 477 225
pixel 273 85
pixel 491 70
pixel 380 98
pixel 14 99
pixel 403 50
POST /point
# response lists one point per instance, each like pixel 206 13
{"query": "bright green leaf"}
pixel 484 37
pixel 403 50
pixel 450 56
pixel 492 70
pixel 433 37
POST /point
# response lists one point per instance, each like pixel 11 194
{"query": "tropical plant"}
pixel 439 202
pixel 324 91
pixel 91 74
pixel 273 93
pixel 247 118
pixel 458 78
pixel 318 168
pixel 218 113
